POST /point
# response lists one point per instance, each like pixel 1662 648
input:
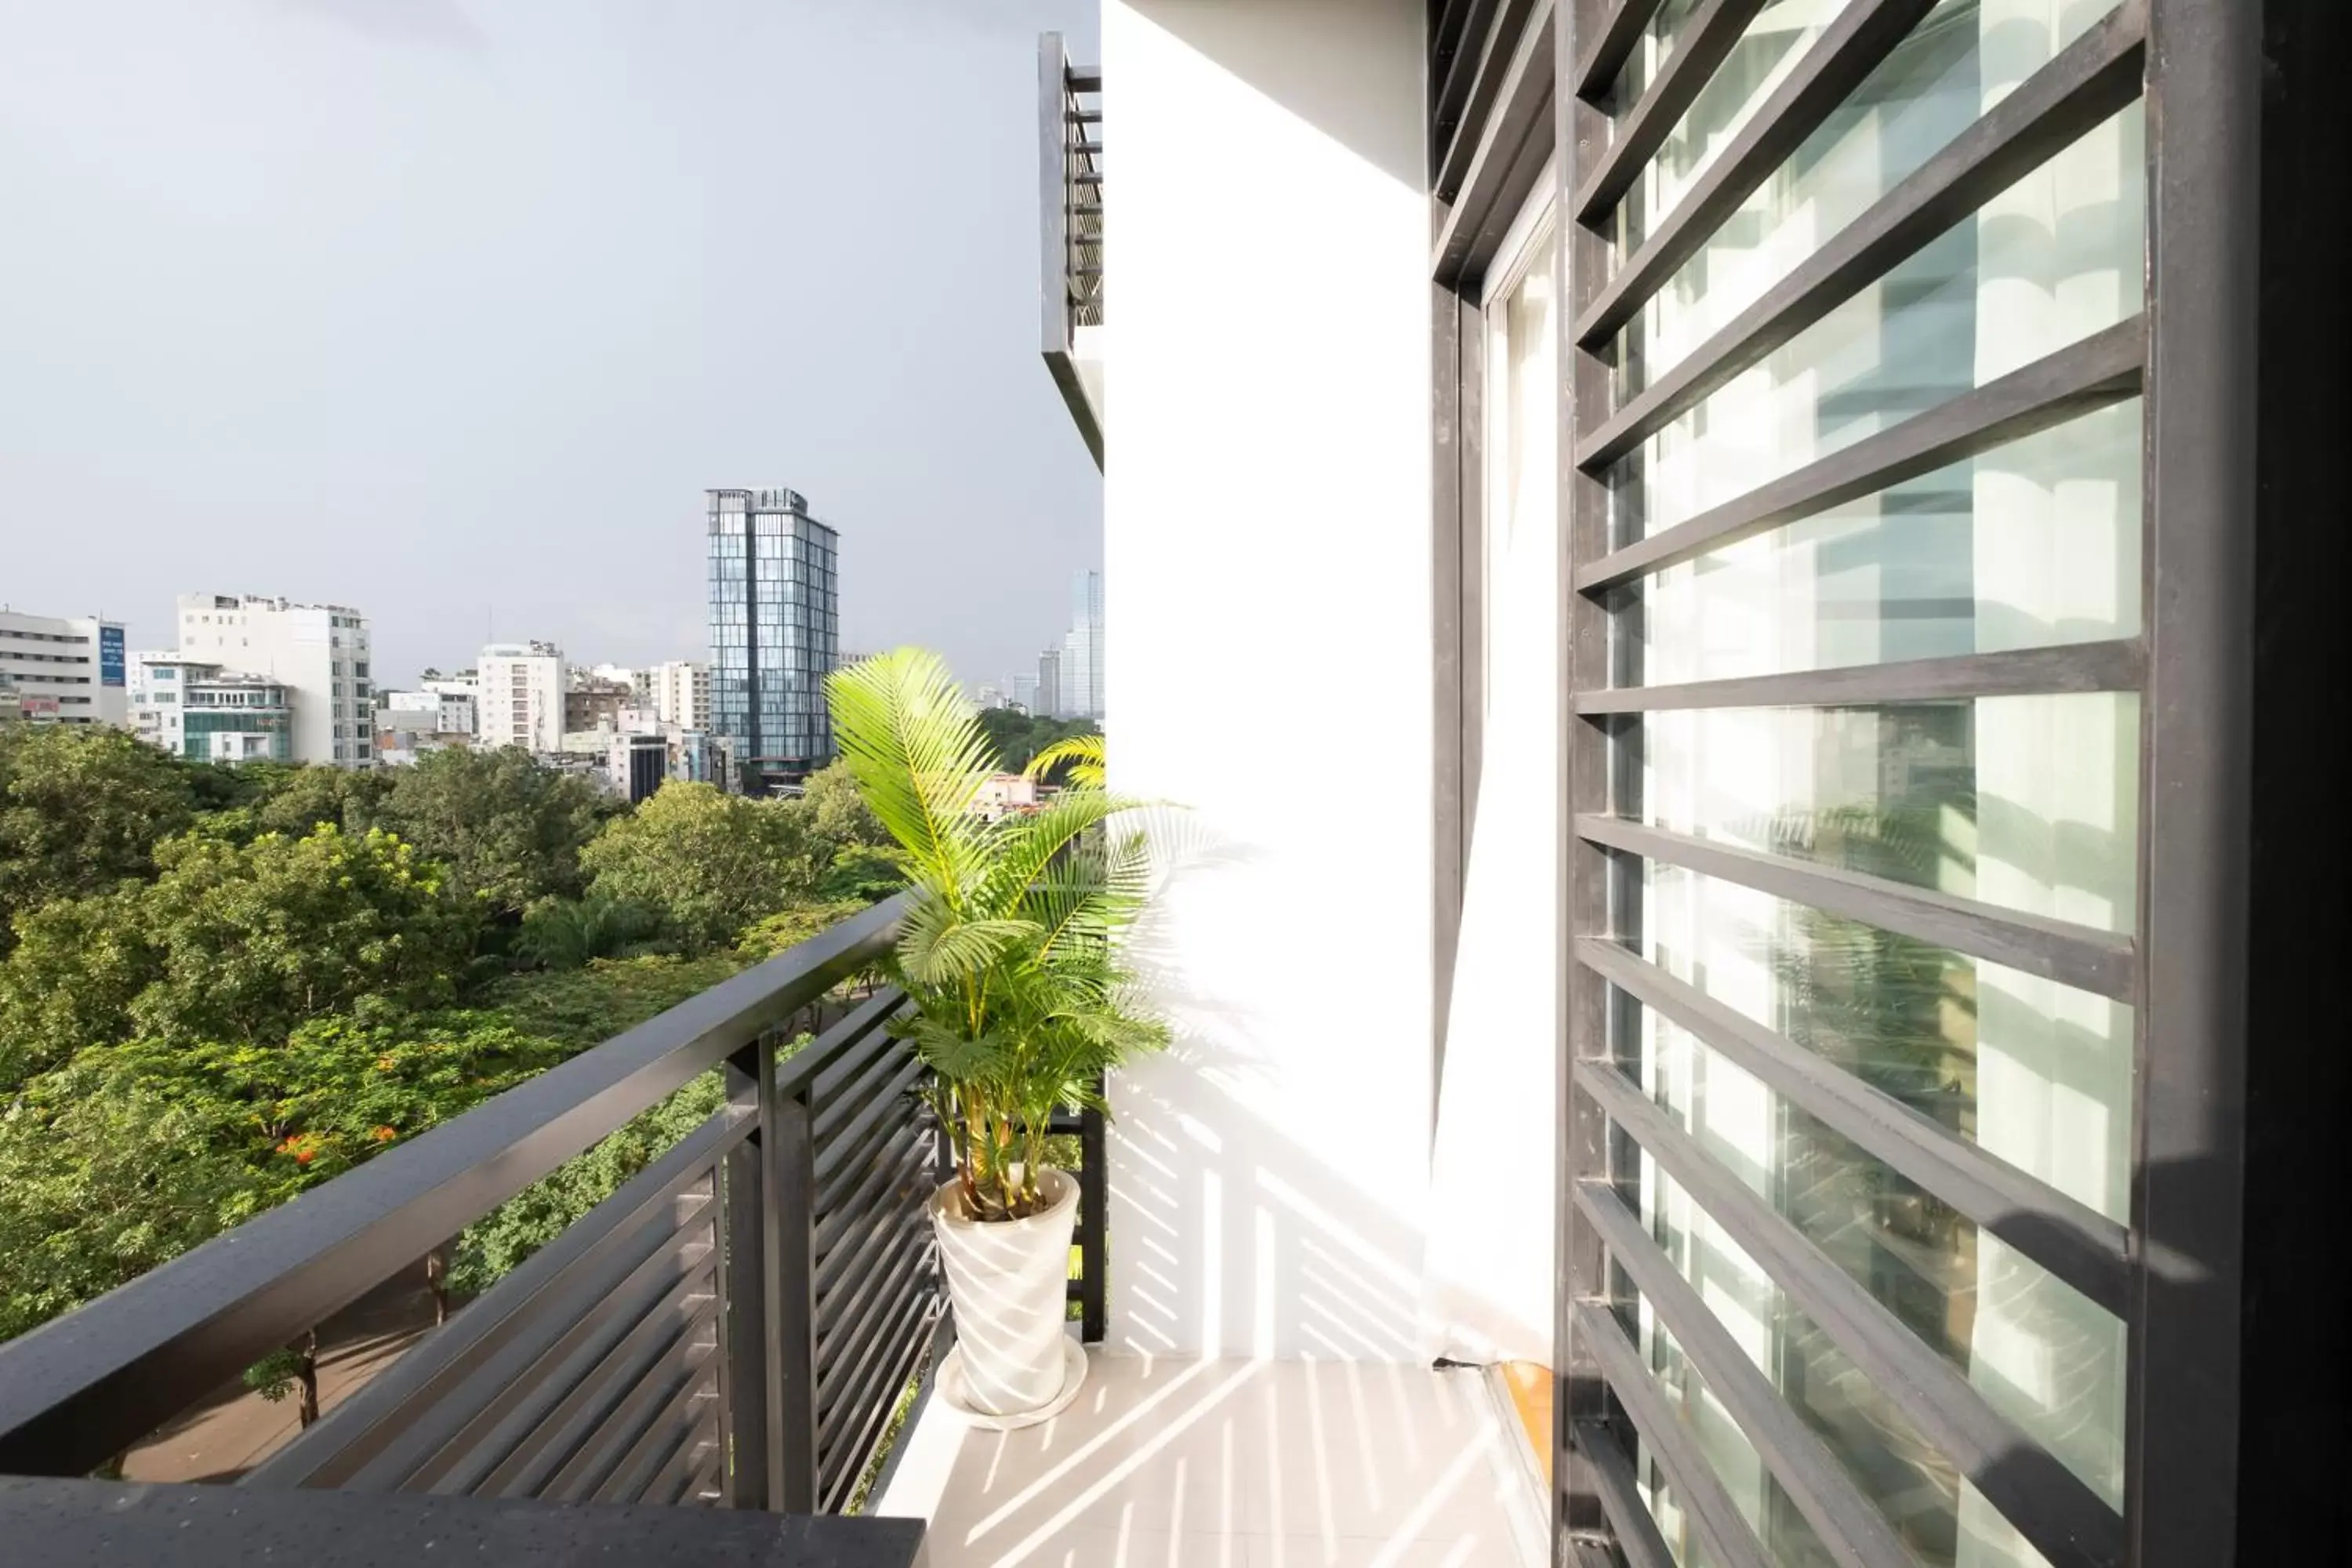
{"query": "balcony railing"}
pixel 734 1327
pixel 1070 201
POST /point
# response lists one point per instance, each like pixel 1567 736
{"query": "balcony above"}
pixel 1070 244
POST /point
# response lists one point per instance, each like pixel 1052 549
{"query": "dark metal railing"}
pixel 735 1326
pixel 1070 201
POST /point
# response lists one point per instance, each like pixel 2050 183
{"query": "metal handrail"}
pixel 80 1390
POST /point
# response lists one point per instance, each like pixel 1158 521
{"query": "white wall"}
pixel 1268 507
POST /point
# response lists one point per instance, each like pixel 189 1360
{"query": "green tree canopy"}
pixel 234 943
pixel 711 862
pixel 509 831
pixel 838 814
pixel 97 1189
pixel 1015 737
pixel 256 939
pixel 80 809
pixel 299 799
pixel 77 965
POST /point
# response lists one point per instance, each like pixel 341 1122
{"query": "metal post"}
pixel 742 1301
pixel 787 1210
pixel 1094 1196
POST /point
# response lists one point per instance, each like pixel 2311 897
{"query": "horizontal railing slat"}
pixel 533 1465
pixel 417 1406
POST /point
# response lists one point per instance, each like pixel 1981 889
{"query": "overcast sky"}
pixel 450 309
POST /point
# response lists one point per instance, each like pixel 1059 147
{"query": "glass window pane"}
pixel 2047 263
pixel 1937 82
pixel 2034 544
pixel 2026 803
pixel 2036 1073
pixel 1789 1540
pixel 1650 53
pixel 2043 1354
pixel 1764 54
pixel 1931 1508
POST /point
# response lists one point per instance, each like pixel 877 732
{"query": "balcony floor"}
pixel 1233 1464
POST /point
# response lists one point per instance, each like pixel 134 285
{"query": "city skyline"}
pixel 342 313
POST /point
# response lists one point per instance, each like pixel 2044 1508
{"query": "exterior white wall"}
pixel 320 653
pixel 1267 471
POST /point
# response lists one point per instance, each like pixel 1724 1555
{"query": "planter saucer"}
pixel 950 1389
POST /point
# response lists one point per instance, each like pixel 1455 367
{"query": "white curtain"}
pixel 1488 1266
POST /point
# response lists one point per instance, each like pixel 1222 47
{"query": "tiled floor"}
pixel 1233 1464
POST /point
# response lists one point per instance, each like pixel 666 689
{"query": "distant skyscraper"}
pixel 1049 683
pixel 1082 648
pixel 775 629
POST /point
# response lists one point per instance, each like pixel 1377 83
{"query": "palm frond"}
pixel 1089 768
pixel 936 946
pixel 914 744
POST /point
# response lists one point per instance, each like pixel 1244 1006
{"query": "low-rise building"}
pixel 67 669
pixel 318 653
pixel 410 723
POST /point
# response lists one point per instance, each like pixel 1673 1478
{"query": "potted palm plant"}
pixel 1010 954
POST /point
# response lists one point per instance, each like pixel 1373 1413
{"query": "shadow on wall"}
pixel 1253 1211
pixel 1297 53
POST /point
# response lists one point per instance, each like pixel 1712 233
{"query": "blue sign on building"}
pixel 109 656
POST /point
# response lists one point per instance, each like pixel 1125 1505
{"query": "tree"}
pixel 307 797
pixel 256 939
pixel 95 1190
pixel 711 862
pixel 838 814
pixel 566 933
pixel 130 1155
pixel 80 809
pixel 77 965
pixel 509 831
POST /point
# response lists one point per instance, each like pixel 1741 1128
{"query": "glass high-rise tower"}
pixel 775 631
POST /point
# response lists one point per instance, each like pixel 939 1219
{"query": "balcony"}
pixel 711 1364
pixel 1070 246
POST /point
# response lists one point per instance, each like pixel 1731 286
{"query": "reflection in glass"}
pixel 1763 56
pixel 1906 792
pixel 1929 90
pixel 1788 1538
pixel 1920 1258
pixel 1886 1456
pixel 1994 292
pixel 2034 1073
pixel 2049 555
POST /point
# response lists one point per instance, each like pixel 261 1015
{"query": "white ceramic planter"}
pixel 1008 1281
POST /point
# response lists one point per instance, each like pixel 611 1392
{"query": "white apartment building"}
pixel 64 669
pixel 159 681
pixel 521 696
pixel 680 691
pixel 318 653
